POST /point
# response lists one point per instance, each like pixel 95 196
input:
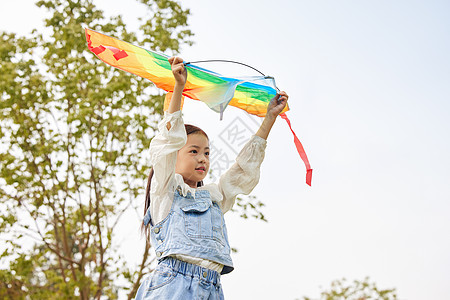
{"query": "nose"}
pixel 202 158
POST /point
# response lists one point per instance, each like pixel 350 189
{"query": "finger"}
pixel 171 60
pixel 178 69
pixel 283 101
pixel 276 97
pixel 177 60
pixel 283 93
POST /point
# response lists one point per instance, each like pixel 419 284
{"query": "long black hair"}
pixel 190 129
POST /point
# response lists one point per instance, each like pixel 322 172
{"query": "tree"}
pixel 72 161
pixel 357 290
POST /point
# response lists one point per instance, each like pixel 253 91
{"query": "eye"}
pixel 207 153
pixel 193 151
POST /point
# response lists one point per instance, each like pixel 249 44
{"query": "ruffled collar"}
pixel 184 189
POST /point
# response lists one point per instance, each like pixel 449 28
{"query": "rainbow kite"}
pixel 251 94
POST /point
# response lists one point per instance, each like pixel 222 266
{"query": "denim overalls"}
pixel 194 227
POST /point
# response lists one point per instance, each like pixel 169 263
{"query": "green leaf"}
pixel 76 131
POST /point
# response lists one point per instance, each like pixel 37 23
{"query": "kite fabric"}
pixel 251 94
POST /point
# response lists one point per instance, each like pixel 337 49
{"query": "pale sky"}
pixel 369 86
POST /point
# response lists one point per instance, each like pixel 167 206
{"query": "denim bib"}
pixel 194 227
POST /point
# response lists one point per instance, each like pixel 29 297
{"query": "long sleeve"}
pixel 163 156
pixel 244 174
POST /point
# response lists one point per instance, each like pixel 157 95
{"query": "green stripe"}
pixel 252 93
pixel 257 94
pixel 160 60
pixel 206 76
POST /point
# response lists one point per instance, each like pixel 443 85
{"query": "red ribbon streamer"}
pixel 300 150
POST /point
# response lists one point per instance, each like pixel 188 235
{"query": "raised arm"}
pixel 180 75
pixel 164 146
pixel 276 106
pixel 243 175
pixel 170 138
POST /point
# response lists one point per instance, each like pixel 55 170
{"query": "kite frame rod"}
pixel 224 60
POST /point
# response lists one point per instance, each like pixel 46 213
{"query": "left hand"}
pixel 277 104
pixel 178 70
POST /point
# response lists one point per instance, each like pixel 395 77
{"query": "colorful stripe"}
pixel 251 94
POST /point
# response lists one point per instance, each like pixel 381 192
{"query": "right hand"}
pixel 277 104
pixel 178 70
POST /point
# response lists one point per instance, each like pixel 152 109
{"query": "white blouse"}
pixel 241 178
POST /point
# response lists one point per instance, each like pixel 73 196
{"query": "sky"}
pixel 370 101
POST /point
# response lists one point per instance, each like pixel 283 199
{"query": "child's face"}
pixel 193 159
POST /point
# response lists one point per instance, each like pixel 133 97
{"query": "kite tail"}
pixel 300 151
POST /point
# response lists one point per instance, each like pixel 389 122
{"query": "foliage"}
pixel 357 290
pixel 249 206
pixel 73 135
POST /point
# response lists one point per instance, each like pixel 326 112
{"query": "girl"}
pixel 184 216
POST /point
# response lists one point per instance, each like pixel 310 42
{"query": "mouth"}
pixel 201 169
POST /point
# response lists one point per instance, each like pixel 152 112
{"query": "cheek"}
pixel 189 162
pixel 178 162
pixel 183 162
